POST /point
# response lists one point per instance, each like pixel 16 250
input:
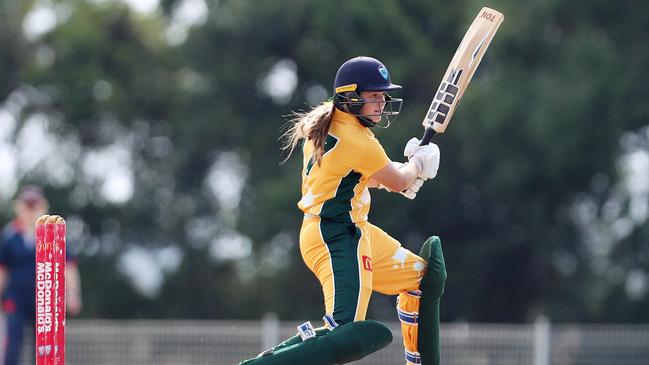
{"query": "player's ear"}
pixel 349 102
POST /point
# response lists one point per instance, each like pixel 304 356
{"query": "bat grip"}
pixel 428 135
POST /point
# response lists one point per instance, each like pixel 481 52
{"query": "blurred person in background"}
pixel 17 271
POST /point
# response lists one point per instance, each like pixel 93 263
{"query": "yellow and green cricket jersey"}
pixel 336 189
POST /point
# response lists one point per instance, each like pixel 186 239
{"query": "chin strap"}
pixel 366 122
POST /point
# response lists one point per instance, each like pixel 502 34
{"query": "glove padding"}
pixel 425 157
pixel 411 192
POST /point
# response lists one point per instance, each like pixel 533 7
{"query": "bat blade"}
pixel 460 71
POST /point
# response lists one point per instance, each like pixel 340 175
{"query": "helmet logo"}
pixel 384 73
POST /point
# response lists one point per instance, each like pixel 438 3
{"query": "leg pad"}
pixel 432 288
pixel 435 277
pixel 346 343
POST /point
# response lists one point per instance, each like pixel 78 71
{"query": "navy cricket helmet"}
pixel 367 73
pixel 364 74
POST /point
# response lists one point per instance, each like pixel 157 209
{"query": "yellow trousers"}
pixel 353 259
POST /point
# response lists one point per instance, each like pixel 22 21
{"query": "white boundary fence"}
pixel 139 342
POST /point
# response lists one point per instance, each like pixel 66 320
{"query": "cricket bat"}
pixel 460 71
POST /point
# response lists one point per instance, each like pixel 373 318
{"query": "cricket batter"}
pixel 351 257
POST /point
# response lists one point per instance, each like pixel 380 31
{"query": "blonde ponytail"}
pixel 312 126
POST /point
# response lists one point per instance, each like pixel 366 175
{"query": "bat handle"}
pixel 428 135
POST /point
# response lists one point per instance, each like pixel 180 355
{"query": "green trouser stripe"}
pixel 342 241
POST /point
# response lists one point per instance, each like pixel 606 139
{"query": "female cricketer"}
pixel 351 257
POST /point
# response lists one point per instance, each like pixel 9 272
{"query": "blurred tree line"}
pixel 155 135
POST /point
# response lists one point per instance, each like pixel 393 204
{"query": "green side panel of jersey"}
pixel 338 208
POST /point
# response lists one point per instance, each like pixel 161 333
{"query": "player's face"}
pixel 28 213
pixel 374 104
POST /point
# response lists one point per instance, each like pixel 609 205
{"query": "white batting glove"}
pixel 412 146
pixel 411 192
pixel 425 157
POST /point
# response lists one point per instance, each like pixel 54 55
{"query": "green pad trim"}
pixel 346 343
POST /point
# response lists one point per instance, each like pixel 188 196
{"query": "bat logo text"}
pixel 487 15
